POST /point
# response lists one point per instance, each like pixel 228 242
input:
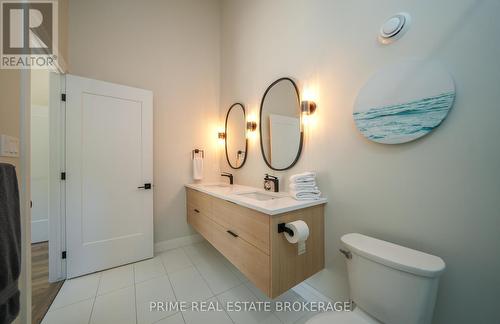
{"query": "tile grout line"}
pixel 214 295
pixel 272 301
pixel 70 304
pixel 171 287
pixel 230 318
pixel 225 265
pixel 241 284
pixel 135 293
pixel 244 283
pixel 218 294
pixel 95 298
pixel 199 272
pixel 118 288
pixel 169 316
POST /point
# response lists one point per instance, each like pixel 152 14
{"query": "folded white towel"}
pixel 303 186
pixel 306 195
pixel 303 177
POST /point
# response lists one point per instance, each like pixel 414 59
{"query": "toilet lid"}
pixel 357 316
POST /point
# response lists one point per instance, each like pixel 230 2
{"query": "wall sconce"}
pixel 307 107
pixel 251 126
pixel 221 135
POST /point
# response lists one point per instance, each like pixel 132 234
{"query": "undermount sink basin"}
pixel 258 196
pixel 217 185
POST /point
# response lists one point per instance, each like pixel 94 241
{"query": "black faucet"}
pixel 276 183
pixel 229 175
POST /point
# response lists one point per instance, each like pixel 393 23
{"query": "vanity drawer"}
pixel 251 261
pixel 198 201
pixel 249 224
pixel 200 222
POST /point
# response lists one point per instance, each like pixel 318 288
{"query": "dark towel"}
pixel 10 244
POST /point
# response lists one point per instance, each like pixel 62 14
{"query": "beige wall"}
pixel 439 194
pixel 40 88
pixel 172 48
pixel 63 33
pixel 10 95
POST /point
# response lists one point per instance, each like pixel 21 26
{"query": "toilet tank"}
pixel 393 284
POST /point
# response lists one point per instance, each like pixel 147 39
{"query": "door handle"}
pixel 196 210
pixel 146 186
pixel 232 233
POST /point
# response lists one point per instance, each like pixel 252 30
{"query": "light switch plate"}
pixel 9 146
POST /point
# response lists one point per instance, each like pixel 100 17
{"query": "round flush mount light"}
pixel 394 28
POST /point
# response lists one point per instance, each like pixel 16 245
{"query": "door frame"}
pixel 57 199
pixel 24 178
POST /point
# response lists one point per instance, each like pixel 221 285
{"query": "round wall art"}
pixel 404 101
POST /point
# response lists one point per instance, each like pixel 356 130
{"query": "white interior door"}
pixel 109 155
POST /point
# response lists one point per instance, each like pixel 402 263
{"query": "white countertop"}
pixel 282 202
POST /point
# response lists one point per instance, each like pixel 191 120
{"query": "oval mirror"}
pixel 280 135
pixel 236 141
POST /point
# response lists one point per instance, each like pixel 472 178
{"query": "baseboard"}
pixel 39 231
pixel 177 242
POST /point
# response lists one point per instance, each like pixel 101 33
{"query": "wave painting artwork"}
pixel 404 122
pixel 404 102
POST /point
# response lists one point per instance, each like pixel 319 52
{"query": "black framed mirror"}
pixel 281 137
pixel 236 143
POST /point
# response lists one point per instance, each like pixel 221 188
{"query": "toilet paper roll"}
pixel 300 231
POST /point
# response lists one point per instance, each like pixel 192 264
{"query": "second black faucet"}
pixel 267 183
pixel 229 175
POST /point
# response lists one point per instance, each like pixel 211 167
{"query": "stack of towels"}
pixel 303 186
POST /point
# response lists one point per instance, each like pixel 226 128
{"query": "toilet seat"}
pixel 357 316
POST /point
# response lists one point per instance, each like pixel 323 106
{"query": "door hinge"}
pixel 63 175
pixel 63 255
pixel 63 97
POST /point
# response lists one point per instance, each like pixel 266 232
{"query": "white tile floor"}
pixel 196 272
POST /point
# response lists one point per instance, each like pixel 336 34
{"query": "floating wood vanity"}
pixel 246 233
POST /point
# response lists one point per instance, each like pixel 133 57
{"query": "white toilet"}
pixel 388 283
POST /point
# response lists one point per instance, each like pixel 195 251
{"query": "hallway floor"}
pixel 42 292
pixel 195 272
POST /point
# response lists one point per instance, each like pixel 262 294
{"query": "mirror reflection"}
pixel 236 142
pixel 280 134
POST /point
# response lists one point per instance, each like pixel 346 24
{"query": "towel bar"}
pixel 198 151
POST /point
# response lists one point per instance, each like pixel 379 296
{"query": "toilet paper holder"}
pixel 282 228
